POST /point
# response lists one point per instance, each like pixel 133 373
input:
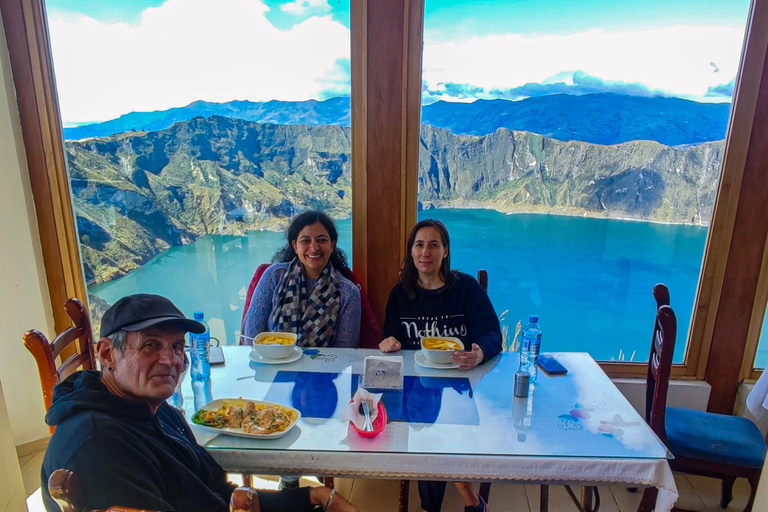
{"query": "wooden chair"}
pixel 703 443
pixel 46 353
pixel 64 488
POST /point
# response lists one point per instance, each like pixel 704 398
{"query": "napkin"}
pixel 202 436
pixel 383 372
pixel 352 411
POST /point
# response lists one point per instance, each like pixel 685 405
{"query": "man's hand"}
pixel 318 496
pixel 468 360
pixel 390 345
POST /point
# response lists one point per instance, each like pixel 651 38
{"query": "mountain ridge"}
pixel 136 194
pixel 603 118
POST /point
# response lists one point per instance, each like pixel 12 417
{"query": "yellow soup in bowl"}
pixel 440 344
pixel 274 345
pixel 275 340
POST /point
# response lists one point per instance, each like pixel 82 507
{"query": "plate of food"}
pixel 438 350
pixel 275 345
pixel 246 418
pixel 420 359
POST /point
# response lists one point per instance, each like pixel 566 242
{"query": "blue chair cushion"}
pixel 714 437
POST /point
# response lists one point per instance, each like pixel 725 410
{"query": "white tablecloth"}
pixel 579 429
pixel 540 470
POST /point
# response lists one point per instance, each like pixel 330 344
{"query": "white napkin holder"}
pixel 383 372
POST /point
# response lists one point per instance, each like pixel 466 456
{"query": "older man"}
pixel 129 448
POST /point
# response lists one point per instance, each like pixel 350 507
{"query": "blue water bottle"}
pixel 530 346
pixel 200 345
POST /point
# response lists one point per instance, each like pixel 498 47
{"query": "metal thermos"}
pixel 522 380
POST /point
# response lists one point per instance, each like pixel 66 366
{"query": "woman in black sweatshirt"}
pixel 433 300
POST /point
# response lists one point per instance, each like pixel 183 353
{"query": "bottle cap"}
pixel 198 315
pixel 534 319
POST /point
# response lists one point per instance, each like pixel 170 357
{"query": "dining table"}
pixel 444 424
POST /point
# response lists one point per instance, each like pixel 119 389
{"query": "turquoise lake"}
pixel 589 280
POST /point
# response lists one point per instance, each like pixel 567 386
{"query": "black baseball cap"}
pixel 142 311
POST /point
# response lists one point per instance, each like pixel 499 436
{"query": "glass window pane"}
pixel 193 132
pixel 761 357
pixel 574 150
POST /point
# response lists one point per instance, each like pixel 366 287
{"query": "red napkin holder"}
pixel 378 424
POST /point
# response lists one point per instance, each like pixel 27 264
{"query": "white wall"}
pixel 24 299
pixel 12 495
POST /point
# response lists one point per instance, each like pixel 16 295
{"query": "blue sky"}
pixel 462 18
pixel 483 17
pixel 150 56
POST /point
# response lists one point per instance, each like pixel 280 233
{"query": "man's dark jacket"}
pixel 124 455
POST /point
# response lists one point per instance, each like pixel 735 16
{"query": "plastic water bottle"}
pixel 177 399
pixel 200 350
pixel 530 346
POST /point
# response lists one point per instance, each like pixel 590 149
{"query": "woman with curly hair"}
pixel 305 292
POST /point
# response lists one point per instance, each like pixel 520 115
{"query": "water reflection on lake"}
pixel 590 280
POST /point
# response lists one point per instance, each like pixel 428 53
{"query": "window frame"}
pixel 386 52
pixel 748 370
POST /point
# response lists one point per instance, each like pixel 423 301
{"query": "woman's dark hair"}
pixel 338 258
pixel 410 276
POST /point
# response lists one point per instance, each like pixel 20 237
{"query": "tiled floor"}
pixel 696 493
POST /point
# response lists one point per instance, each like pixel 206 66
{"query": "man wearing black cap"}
pixel 130 448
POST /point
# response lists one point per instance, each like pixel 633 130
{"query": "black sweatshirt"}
pixel 124 455
pixel 462 311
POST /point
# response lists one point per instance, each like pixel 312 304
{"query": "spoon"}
pixel 368 427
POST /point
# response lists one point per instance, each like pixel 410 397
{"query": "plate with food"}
pixel 438 350
pixel 421 360
pixel 275 345
pixel 258 357
pixel 246 418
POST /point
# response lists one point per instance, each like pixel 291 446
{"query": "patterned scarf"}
pixel 315 318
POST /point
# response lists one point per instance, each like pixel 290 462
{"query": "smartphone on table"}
pixel 217 356
pixel 551 365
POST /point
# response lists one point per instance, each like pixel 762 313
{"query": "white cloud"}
pixel 187 50
pixel 674 59
pixel 302 7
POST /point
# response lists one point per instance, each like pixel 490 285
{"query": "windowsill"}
pixel 693 394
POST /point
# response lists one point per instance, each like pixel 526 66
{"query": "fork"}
pixel 368 427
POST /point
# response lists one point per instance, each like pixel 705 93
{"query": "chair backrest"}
pixel 64 488
pixel 46 353
pixel 661 295
pixel 660 368
pixel 370 330
pixel 249 297
pixel 482 278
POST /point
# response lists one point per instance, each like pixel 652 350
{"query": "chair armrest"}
pixel 63 488
pixel 244 499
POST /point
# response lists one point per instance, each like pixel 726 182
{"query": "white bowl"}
pixel 274 351
pixel 440 356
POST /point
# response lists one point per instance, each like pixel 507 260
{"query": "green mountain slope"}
pixel 136 194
